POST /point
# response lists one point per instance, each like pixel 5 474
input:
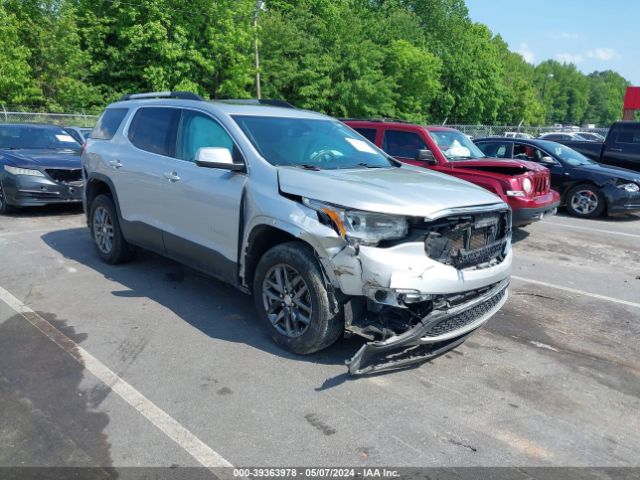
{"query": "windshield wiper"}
pixel 367 165
pixel 307 166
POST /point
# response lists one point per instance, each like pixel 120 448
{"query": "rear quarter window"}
pixel 108 123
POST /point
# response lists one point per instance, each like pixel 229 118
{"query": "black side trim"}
pixel 201 258
pixel 135 233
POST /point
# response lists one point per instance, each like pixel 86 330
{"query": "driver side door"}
pixel 404 146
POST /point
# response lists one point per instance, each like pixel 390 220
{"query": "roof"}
pixel 227 107
pixel 397 124
pixel 632 98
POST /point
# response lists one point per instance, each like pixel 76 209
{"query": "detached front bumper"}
pixel 436 333
pixel 24 191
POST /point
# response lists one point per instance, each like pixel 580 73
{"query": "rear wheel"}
pixel 292 299
pixel 105 230
pixel 4 207
pixel 585 201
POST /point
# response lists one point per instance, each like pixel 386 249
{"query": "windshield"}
pixel 566 154
pixel 311 143
pixel 456 145
pixel 35 137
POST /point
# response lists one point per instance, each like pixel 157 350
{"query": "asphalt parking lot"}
pixel 152 364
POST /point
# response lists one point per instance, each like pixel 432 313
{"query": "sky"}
pixel 593 34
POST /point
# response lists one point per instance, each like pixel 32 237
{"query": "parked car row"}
pixel 39 165
pixel 524 186
pixel 360 227
pixel 587 189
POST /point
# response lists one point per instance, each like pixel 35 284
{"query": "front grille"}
pixel 469 240
pixel 461 320
pixel 65 175
pixel 541 183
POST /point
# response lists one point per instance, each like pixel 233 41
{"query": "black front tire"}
pixel 4 207
pixel 103 212
pixel 585 191
pixel 325 325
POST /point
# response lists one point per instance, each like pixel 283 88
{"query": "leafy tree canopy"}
pixel 419 60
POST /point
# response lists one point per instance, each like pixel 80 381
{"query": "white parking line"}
pixel 167 424
pixel 612 232
pixel 578 292
pixel 26 232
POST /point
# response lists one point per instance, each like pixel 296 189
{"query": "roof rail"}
pixel 254 101
pixel 379 120
pixel 180 95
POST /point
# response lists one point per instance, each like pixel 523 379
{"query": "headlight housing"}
pixel 527 185
pixel 23 171
pixel 629 187
pixel 360 227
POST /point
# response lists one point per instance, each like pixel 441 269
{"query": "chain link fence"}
pixel 62 119
pixel 475 131
pixel 478 131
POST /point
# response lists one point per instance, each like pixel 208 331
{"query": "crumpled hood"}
pixel 401 191
pixel 42 158
pixel 611 171
pixel 497 163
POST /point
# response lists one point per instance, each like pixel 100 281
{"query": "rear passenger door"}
pixel 202 206
pixel 140 171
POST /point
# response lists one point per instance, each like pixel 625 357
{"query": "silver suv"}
pixel 330 235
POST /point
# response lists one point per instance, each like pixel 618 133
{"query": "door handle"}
pixel 172 177
pixel 115 164
pixel 616 149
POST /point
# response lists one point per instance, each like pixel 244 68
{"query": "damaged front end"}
pixel 430 335
pixel 422 295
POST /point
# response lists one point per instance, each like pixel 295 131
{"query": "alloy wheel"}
pixel 103 230
pixel 287 300
pixel 584 202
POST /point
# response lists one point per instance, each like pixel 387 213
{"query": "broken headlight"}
pixel 629 187
pixel 360 227
pixel 23 171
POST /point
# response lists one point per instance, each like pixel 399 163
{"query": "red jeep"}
pixel 525 186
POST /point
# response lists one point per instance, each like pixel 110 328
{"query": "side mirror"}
pixel 426 156
pixel 548 161
pixel 215 157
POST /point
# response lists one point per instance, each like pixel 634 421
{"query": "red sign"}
pixel 632 98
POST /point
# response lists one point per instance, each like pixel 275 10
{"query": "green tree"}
pixel 565 92
pixel 166 44
pixel 16 79
pixel 338 57
pixel 48 29
pixel 606 98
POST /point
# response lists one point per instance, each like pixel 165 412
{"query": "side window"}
pixel 198 130
pixel 494 149
pixel 402 144
pixel 527 152
pixel 108 123
pixel 628 134
pixel 154 130
pixel 368 133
